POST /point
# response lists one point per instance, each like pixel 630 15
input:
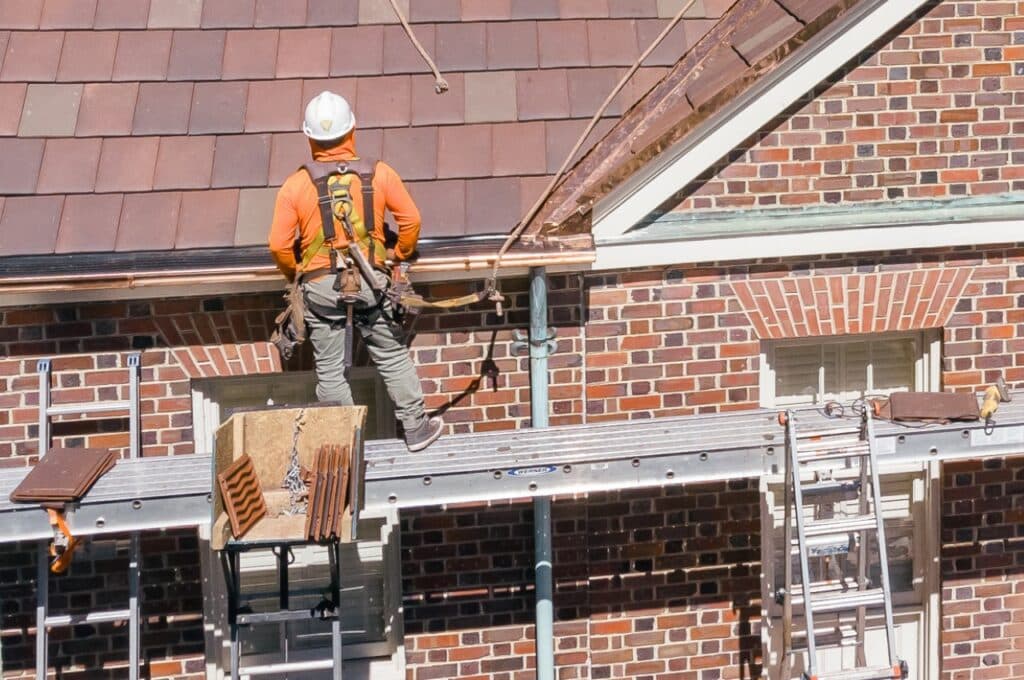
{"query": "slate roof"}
pixel 157 125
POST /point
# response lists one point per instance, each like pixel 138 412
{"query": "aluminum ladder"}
pixel 820 539
pixel 44 620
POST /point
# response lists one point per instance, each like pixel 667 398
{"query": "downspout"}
pixel 539 350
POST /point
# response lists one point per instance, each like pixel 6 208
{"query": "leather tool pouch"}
pixel 290 325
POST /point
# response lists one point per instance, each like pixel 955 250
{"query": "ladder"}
pixel 820 539
pixel 45 620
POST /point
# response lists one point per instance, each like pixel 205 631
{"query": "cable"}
pixel 440 84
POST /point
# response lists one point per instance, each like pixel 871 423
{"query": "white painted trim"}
pixel 851 240
pixel 676 167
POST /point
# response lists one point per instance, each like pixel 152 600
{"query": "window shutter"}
pixel 893 363
pixel 796 374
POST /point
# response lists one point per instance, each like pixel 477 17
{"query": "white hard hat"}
pixel 328 116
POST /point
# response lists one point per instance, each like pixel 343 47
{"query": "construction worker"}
pixel 327 257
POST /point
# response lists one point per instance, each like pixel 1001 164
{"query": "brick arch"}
pixel 846 304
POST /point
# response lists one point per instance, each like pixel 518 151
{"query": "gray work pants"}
pixel 383 342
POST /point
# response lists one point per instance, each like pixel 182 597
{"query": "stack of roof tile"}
pixel 63 475
pixel 243 497
pixel 328 493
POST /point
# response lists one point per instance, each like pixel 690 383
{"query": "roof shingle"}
pixel 304 52
pixel 207 218
pixel 241 161
pixel 127 164
pixel 29 224
pixel 107 109
pixel 88 223
pixel 148 221
pixel 87 56
pixel 162 109
pixel 69 166
pixel 21 15
pixel 122 14
pixel 32 57
pixel 184 163
pixel 218 107
pixel 20 170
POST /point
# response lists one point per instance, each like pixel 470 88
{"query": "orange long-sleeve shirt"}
pixel 296 206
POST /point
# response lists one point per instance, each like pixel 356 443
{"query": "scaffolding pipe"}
pixel 539 337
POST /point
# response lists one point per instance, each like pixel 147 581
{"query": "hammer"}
pixel 993 396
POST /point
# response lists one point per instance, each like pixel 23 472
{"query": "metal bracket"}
pixel 521 341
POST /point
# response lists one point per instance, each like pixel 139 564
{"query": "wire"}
pixel 440 84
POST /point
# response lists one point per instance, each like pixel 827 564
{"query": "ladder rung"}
pixel 842 525
pixel 841 635
pixel 857 451
pixel 847 600
pixel 95 407
pixel 868 673
pixel 829 444
pixel 829 487
pixel 827 432
pixel 823 546
pixel 92 617
pixel 285 667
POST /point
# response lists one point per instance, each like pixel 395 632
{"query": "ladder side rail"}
pixel 798 503
pixel 862 562
pixel 134 410
pixel 42 607
pixel 787 593
pixel 43 368
pixel 883 557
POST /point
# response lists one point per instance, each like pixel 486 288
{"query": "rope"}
pixel 440 84
pixel 525 221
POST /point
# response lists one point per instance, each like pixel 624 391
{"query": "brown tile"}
pixel 288 152
pixel 486 10
pixel 69 166
pixel 127 164
pixel 562 43
pixel 769 27
pixel 21 14
pixel 255 213
pixel 228 13
pixel 590 9
pixel 430 108
pixel 642 82
pixel 68 14
pixel 107 109
pixel 162 108
pixel 512 45
pixel 20 169
pixel 148 221
pixel 142 55
pixel 490 96
pixel 530 189
pixel 89 223
pixel 671 48
pixel 35 219
pixel 519 149
pixel 332 13
pixel 588 88
pixel 383 102
pixel 374 12
pixel 464 151
pixel 5 37
pixel 400 56
pixel 241 161
pixel 207 219
pixel 250 54
pixel 561 136
pixel 722 67
pixel 461 47
pixel 121 14
pixel 12 98
pixel 542 94
pixel 534 9
pixel 696 29
pixel 442 206
pixel 412 152
pixel 357 50
pixel 88 56
pixel 369 143
pixel 612 42
pixel 492 205
pixel 304 52
pixel 175 13
pixel 196 55
pixel 280 12
pixel 50 110
pixel 218 107
pixel 806 10
pixel 436 10
pixel 633 8
pixel 184 163
pixel 274 105
pixel 32 57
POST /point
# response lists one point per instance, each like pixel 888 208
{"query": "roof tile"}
pixel 442 205
pixel 241 161
pixel 369 143
pixel 769 27
pixel 535 9
pixel 400 56
pixel 274 105
pixel 384 102
pixel 148 221
pixel 280 12
pixel 175 13
pixel 492 205
pixel 590 9
pixel 121 14
pixel 228 13
pixel 162 108
pixel 250 54
pixel 461 47
pixel 69 166
pixel 20 169
pixel 804 10
pixel 486 10
pixel 207 219
pixel 542 94
pixel 304 52
pixel 196 55
pixel 357 51
pixel 87 56
pixel 332 13
pixel 430 108
pixel 32 56
pixel 218 107
pixel 671 48
pixel 50 110
pixel 512 44
pixel 633 8
pixel 127 164
pixel 184 163
pixel 35 220
pixel 561 136
pixel 89 223
pixel 612 42
pixel 12 98
pixel 376 12
pixel 412 152
pixel 288 151
pixel 562 43
pixel 530 190
pixel 255 213
pixel 68 14
pixel 721 68
pixel 464 151
pixel 436 10
pixel 519 149
pixel 142 55
pixel 5 37
pixel 107 109
pixel 491 96
pixel 588 88
pixel 21 14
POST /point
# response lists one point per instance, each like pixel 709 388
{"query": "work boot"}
pixel 424 435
